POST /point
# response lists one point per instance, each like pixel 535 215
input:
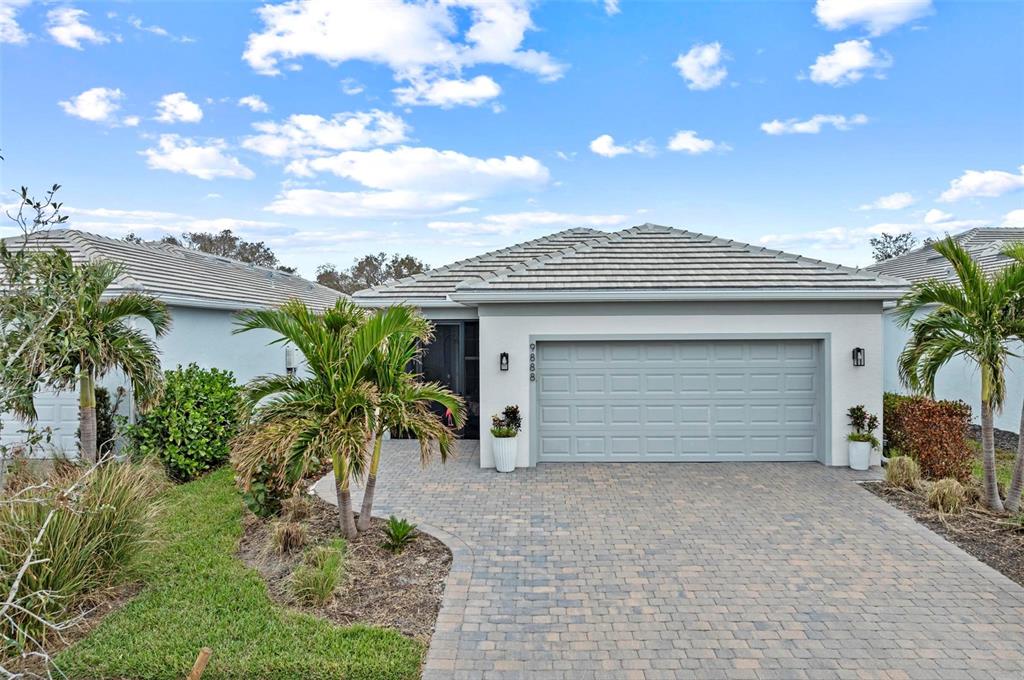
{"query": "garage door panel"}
pixel 679 400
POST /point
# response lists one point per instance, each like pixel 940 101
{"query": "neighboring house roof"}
pixel 652 262
pixel 185 277
pixel 984 244
pixel 435 285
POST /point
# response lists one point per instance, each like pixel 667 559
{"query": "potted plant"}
pixel 505 427
pixel 862 440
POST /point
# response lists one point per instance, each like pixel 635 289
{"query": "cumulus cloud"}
pixel 687 141
pixel 813 125
pixel 137 24
pixel 852 238
pixel 611 7
pixel 848 62
pixel 206 161
pixel 896 201
pixel 702 67
pixel 877 16
pixel 11 32
pixel 322 203
pixel 307 134
pixel 509 223
pixel 448 92
pixel 605 145
pixel 178 108
pixel 254 103
pixel 417 41
pixel 934 216
pixel 351 86
pixel 987 183
pixel 67 26
pixel 97 104
pixel 1014 218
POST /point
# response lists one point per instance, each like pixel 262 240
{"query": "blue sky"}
pixel 331 129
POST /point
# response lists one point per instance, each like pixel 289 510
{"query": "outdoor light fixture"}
pixel 289 360
pixel 858 356
pixel 503 361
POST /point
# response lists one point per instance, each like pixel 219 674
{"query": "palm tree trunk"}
pixel 344 497
pixel 988 457
pixel 1017 481
pixel 371 484
pixel 87 415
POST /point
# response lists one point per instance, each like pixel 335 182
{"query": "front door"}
pixel 451 359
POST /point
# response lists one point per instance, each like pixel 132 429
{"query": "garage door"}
pixel 57 411
pixel 679 400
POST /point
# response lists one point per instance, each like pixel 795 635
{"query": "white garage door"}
pixel 679 400
pixel 58 411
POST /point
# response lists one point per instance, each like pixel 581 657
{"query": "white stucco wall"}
pixel 959 379
pixel 508 328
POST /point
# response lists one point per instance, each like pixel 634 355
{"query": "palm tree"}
pixel 973 319
pixel 405 404
pixel 91 336
pixel 328 412
pixel 1016 251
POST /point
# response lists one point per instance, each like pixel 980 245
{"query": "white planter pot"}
pixel 505 451
pixel 860 455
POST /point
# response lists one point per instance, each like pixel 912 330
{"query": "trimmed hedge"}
pixel 190 427
pixel 933 432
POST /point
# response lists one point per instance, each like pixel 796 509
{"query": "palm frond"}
pixel 136 304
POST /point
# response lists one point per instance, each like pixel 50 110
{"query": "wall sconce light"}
pixel 503 361
pixel 858 356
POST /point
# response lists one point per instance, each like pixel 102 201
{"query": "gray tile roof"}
pixel 436 284
pixel 984 244
pixel 186 277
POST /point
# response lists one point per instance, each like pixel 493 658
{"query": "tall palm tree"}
pixel 405 404
pixel 91 336
pixel 327 412
pixel 973 319
pixel 1016 251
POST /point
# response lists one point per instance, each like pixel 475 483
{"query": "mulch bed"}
pixel 984 535
pixel 380 588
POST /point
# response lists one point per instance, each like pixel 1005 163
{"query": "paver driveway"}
pixel 718 570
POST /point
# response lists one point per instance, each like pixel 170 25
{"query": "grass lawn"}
pixel 1004 464
pixel 198 595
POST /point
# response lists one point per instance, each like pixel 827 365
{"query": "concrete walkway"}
pixel 727 570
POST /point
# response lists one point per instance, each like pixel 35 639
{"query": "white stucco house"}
pixel 202 291
pixel 655 344
pixel 960 379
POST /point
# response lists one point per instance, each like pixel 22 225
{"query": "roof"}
pixel 983 243
pixel 185 277
pixel 435 285
pixel 652 262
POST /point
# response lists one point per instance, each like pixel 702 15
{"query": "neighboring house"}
pixel 202 292
pixel 959 379
pixel 655 344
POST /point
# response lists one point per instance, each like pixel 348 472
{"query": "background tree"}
pixel 888 246
pixel 225 244
pixel 972 318
pixel 368 271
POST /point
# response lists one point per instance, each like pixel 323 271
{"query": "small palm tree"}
pixel 91 336
pixel 405 404
pixel 1016 251
pixel 327 413
pixel 972 319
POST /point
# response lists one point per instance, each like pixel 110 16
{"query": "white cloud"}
pixel 812 125
pixel 934 216
pixel 702 67
pixel 158 30
pixel 98 104
pixel 11 32
pixel 878 16
pixel 896 201
pixel 417 41
pixel 351 86
pixel 321 203
pixel 448 92
pixel 177 107
pixel 254 103
pixel 66 25
pixel 605 145
pixel 988 183
pixel 131 121
pixel 509 223
pixel 687 141
pixel 848 62
pixel 183 155
pixel 1014 218
pixel 308 134
pixel 611 7
pixel 846 238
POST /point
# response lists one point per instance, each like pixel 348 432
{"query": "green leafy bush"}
pixel 315 580
pixel 190 428
pixel 890 421
pixel 902 472
pixel 863 425
pixel 934 433
pixel 947 496
pixel 398 533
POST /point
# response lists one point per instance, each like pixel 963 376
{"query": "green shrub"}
pixel 91 542
pixel 190 428
pixel 902 472
pixel 947 496
pixel 934 433
pixel 315 580
pixel 398 533
pixel 891 423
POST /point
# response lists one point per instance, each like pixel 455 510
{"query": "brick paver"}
pixel 718 570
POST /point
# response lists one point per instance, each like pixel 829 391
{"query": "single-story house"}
pixel 655 344
pixel 202 291
pixel 960 378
